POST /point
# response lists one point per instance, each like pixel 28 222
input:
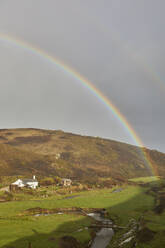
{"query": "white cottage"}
pixel 30 183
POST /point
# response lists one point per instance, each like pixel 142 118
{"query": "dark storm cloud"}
pixel 118 45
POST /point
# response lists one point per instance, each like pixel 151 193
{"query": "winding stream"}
pixel 105 234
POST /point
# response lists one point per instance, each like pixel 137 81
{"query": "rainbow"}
pixel 86 83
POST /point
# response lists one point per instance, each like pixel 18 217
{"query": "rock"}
pixel 126 240
pixel 126 235
pixel 117 190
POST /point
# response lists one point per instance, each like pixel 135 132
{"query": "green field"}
pixel 17 228
pixel 145 179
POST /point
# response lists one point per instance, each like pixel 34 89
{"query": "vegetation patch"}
pixel 69 242
pixel 145 179
pixel 71 210
pixel 3 138
pixel 145 235
pixel 30 140
pixel 160 206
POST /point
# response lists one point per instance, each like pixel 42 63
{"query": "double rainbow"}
pixel 90 86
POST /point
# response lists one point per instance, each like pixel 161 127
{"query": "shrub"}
pixel 47 181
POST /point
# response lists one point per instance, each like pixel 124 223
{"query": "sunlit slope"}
pixel 67 154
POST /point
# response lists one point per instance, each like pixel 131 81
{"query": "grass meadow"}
pixel 18 229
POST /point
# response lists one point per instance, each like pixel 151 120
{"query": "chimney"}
pixel 34 177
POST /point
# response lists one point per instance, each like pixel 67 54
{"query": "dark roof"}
pixel 29 180
pixel 66 179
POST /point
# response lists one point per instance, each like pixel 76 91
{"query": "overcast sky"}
pixel 117 45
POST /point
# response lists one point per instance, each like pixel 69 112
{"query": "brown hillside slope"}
pixel 67 154
pixel 18 162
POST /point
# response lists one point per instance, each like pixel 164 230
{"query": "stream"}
pixel 105 234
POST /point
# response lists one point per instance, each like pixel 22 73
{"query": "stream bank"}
pixel 103 225
pixel 105 234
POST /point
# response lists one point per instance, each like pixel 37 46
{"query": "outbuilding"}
pixel 66 182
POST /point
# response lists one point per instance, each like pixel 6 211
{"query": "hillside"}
pixel 18 162
pixel 47 152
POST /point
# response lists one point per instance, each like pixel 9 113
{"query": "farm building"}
pixel 20 183
pixel 66 182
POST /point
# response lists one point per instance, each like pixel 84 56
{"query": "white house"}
pixel 30 183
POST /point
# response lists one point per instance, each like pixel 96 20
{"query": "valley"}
pixel 109 178
pixel 21 221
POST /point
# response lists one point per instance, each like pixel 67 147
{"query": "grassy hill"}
pixel 47 152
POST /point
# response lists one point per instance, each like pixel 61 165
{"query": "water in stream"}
pixel 105 234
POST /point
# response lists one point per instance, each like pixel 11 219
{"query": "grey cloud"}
pixel 118 45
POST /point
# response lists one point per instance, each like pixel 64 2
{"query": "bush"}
pixel 57 180
pixel 47 181
pixel 9 196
